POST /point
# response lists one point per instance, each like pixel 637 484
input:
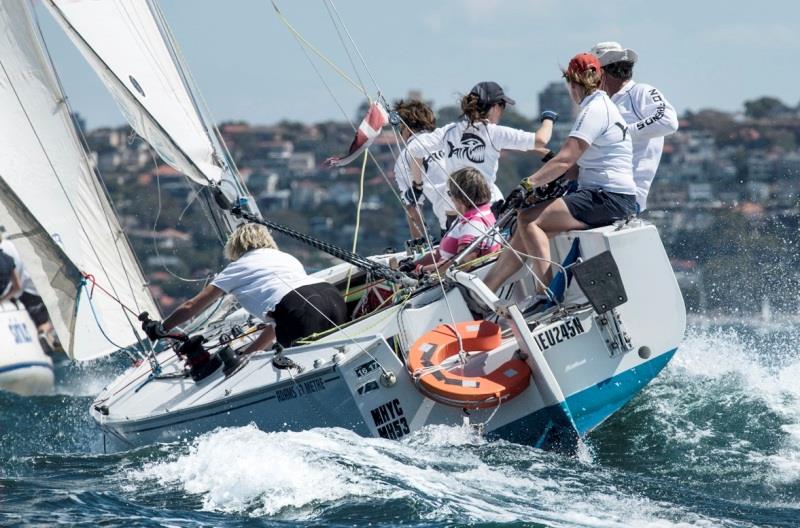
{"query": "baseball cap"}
pixel 490 93
pixel 583 62
pixel 611 52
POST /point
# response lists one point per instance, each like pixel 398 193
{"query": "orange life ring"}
pixel 452 386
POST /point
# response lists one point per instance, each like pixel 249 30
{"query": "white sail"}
pixel 51 186
pixel 127 46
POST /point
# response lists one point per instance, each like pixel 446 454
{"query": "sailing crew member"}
pixel 272 286
pixel 649 115
pixel 417 117
pixel 29 296
pixel 476 140
pixel 10 285
pixel 471 196
pixel 600 145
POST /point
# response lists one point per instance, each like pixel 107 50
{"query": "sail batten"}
pixel 53 205
pixel 124 43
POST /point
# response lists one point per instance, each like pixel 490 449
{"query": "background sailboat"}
pixel 54 205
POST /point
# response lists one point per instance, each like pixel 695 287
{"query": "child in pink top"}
pixel 471 196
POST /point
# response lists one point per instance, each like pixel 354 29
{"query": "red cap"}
pixel 583 62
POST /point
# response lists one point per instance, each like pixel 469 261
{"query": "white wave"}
pixel 763 367
pixel 88 378
pixel 440 472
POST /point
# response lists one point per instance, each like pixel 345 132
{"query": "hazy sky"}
pixel 248 66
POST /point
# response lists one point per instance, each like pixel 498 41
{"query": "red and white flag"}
pixel 368 130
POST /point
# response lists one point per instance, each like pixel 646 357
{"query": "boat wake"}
pixel 442 474
pixel 713 441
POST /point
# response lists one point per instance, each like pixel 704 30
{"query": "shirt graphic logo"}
pixel 434 157
pixel 472 147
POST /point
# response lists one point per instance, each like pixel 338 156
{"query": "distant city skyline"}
pixel 249 67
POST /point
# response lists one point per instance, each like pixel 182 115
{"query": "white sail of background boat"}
pixel 545 377
pixel 55 207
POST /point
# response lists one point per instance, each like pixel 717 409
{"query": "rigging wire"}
pixel 355 46
pixel 155 226
pixel 310 46
pixel 358 219
pixel 346 49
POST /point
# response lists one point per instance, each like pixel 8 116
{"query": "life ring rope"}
pixel 434 356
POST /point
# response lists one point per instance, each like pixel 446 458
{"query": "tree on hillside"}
pixel 766 107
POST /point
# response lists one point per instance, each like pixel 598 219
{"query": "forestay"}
pixel 54 206
pixel 130 49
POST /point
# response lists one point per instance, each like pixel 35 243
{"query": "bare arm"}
pixel 416 171
pixel 562 162
pixel 443 265
pixel 264 340
pixel 193 306
pixel 415 221
pixel 543 134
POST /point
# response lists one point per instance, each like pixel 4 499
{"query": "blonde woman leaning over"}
pixel 272 286
pixel 600 145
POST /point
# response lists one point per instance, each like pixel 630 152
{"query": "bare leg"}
pixel 509 262
pixel 555 218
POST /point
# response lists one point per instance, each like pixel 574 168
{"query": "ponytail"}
pixel 473 110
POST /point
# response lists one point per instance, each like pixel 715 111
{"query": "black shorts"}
pixel 35 308
pixel 307 310
pixel 596 207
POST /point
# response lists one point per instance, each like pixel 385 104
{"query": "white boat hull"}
pixel 356 378
pixel 24 367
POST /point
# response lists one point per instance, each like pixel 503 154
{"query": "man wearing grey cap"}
pixel 648 114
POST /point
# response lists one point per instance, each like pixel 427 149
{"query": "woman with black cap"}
pixel 600 145
pixel 476 139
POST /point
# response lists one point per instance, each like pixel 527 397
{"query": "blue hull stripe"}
pixel 588 408
pixel 593 405
pixel 26 365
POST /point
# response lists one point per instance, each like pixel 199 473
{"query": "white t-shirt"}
pixel 607 163
pixel 434 182
pixel 476 145
pixel 260 278
pixel 10 249
pixel 650 117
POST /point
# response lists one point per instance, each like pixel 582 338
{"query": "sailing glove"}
pixel 154 330
pixel 413 194
pixel 407 265
pixel 548 114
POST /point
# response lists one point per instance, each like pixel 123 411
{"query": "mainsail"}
pixel 55 208
pixel 129 47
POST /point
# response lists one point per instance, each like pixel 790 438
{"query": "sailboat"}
pixel 545 377
pixel 55 210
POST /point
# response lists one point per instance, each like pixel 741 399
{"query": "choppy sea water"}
pixel 713 441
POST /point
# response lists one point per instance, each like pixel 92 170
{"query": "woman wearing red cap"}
pixel 600 146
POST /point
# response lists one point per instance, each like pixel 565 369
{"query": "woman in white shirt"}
pixel 600 145
pixel 272 286
pixel 476 140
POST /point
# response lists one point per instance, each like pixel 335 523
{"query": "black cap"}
pixel 490 93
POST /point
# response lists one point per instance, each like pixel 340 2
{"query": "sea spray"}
pixel 713 441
